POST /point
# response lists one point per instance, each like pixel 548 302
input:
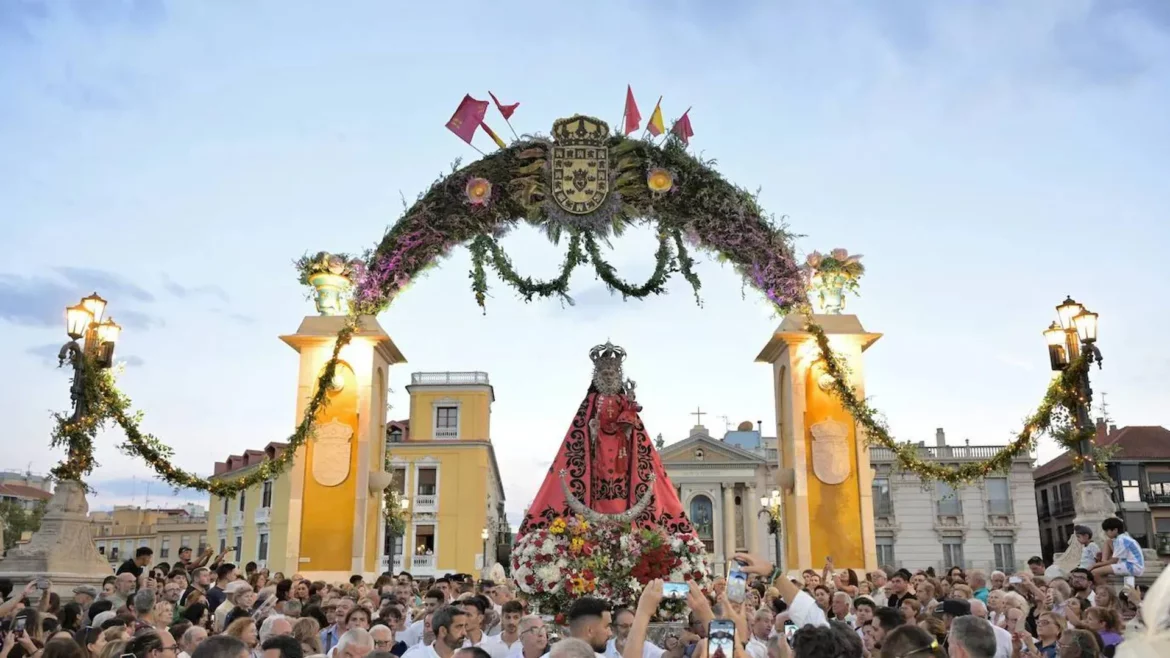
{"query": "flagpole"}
pixel 510 127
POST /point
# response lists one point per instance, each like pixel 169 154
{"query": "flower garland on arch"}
pixel 661 185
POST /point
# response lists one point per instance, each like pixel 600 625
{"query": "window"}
pixel 1044 510
pixel 202 546
pixel 266 495
pixel 1162 525
pixel 885 552
pixel 222 544
pixel 424 540
pixel 1005 556
pixel 102 547
pixel 395 435
pixel 185 542
pixel 1129 479
pixel 226 500
pixel 948 500
pixel 113 554
pixel 1066 497
pixel 239 549
pixel 164 548
pixel 262 547
pixel 446 422
pixel 999 499
pixel 427 477
pixel 883 502
pixel 702 515
pixel 952 553
pixel 1159 487
pixel 243 500
pixel 1046 547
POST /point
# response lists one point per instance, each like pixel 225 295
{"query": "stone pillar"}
pixel 751 513
pixel 729 521
pixel 63 549
pixel 827 503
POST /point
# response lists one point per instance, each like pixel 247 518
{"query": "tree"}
pixel 17 520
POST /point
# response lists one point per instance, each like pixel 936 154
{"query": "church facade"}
pixel 720 482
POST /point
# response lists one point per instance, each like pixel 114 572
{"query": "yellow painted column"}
pixel 334 498
pixel 828 506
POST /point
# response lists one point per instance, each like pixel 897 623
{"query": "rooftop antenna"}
pixel 146 503
pixel 726 423
pixel 1105 409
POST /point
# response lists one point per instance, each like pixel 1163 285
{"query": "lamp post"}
pixel 1073 336
pixel 84 322
pixel 770 505
pixel 484 534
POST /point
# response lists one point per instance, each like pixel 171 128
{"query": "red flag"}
pixel 633 116
pixel 505 110
pixel 467 118
pixel 682 127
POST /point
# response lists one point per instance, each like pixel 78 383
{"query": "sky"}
pixel 987 158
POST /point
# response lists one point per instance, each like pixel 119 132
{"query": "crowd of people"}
pixel 209 608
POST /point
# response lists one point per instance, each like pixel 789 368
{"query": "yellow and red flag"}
pixel 505 110
pixel 682 127
pixel 656 127
pixel 491 133
pixel 468 116
pixel 633 118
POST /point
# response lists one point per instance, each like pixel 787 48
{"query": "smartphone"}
pixel 18 625
pixel 736 584
pixel 789 631
pixel 1015 580
pixel 42 583
pixel 675 590
pixel 721 638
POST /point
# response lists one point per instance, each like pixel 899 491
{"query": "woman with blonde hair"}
pixel 1015 612
pixel 244 630
pixel 308 632
pixel 935 626
pixel 1106 623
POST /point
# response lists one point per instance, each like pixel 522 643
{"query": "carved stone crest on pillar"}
pixel 830 451
pixel 331 453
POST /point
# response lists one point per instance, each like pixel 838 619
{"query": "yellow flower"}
pixel 478 191
pixel 557 527
pixel 576 544
pixel 660 180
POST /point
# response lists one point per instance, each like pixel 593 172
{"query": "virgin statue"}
pixel 607 469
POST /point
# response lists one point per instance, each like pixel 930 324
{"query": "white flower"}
pixel 549 573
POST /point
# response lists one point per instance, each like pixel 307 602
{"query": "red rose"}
pixel 694 549
pixel 588 574
pixel 530 579
pixel 697 575
pixel 560 619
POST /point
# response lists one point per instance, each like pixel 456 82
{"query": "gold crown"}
pixel 580 129
pixel 607 352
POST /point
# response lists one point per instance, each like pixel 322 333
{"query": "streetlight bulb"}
pixel 764 502
pixel 404 504
pixel 77 321
pixel 775 493
pixel 484 535
pixel 1086 324
pixel 108 331
pixel 1054 335
pixel 1068 310
pixel 95 305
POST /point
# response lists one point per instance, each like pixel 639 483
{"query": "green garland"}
pixel 686 264
pixel 655 285
pixel 485 249
pixel 1062 394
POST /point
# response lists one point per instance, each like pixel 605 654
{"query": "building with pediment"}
pixel 720 483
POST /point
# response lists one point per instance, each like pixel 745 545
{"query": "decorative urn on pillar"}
pixel 830 277
pixel 331 277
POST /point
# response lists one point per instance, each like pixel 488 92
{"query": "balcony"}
pixel 426 503
pixel 941 453
pixel 263 514
pixel 237 519
pixel 446 432
pixel 221 521
pixel 1064 508
pixel 422 563
pixel 1043 512
pixel 449 378
pixel 1156 498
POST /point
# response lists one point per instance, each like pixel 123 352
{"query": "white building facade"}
pixel 990 524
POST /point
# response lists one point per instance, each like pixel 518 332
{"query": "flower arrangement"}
pixel 838 263
pixel 324 262
pixel 574 558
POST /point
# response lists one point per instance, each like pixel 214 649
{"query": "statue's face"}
pixel 607 377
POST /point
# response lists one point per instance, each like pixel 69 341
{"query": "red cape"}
pixel 604 476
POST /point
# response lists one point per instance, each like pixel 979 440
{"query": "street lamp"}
pixel 1076 334
pixel 771 507
pixel 84 322
pixel 484 534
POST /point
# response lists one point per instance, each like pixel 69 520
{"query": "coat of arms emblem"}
pixel 830 451
pixel 580 164
pixel 331 452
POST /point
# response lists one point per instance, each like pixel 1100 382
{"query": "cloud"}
pixel 188 292
pixel 40 301
pixel 48 352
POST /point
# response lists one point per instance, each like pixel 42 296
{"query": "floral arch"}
pixel 583 186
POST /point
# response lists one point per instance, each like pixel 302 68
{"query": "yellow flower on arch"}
pixel 660 180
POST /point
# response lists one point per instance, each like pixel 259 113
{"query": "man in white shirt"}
pixel 590 619
pixel 1003 639
pixel 413 635
pixel 474 607
pixel 190 640
pixel 499 646
pixel 623 621
pixel 533 638
pixel 761 627
pixel 450 626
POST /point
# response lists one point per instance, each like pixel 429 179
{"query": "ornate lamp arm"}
pixel 76 356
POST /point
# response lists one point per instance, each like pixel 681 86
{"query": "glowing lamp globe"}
pixel 1068 310
pixel 1086 324
pixel 77 320
pixel 95 305
pixel 108 331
